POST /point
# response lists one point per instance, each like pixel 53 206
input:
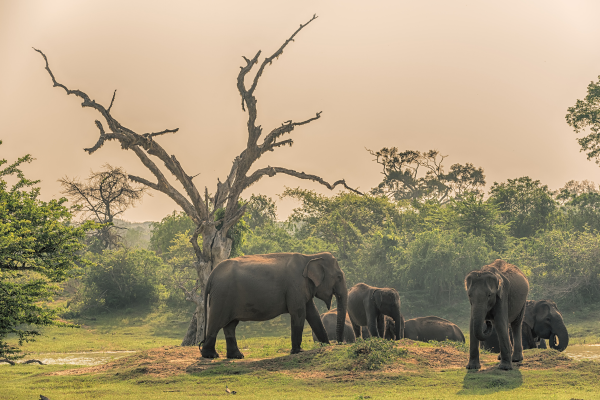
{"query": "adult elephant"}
pixel 542 321
pixel 429 328
pixel 329 320
pixel 497 294
pixel 261 287
pixel 368 306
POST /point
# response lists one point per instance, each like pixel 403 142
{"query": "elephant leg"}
pixel 473 349
pixel 502 330
pixel 372 316
pixel 208 347
pixel 381 325
pixel 314 320
pixel 516 325
pixel 298 318
pixel 357 330
pixel 233 350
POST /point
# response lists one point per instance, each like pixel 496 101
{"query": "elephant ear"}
pixel 495 284
pixel 314 271
pixel 377 295
pixel 529 317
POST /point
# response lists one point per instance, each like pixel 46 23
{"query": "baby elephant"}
pixel 429 328
pixel 368 306
pixel 329 320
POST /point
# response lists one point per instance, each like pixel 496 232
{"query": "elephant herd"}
pixel 261 287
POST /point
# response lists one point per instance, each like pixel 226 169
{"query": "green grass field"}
pixel 162 369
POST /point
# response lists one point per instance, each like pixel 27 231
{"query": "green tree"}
pixel 343 220
pixel 38 249
pixel 124 277
pixel 415 175
pixel 260 210
pixel 585 115
pixel 481 218
pixel 561 265
pixel 167 229
pixel 437 261
pixel 526 204
pixel 276 238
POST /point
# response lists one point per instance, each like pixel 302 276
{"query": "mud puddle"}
pixel 89 358
pixel 583 352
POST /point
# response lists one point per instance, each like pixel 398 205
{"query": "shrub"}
pixel 373 353
pixel 121 278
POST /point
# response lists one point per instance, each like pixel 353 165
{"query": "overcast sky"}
pixel 482 82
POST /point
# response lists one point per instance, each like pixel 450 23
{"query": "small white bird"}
pixel 229 391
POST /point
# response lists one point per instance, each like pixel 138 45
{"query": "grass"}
pixel 368 369
pixel 324 372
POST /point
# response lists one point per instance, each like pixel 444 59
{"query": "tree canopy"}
pixel 415 175
pixel 38 249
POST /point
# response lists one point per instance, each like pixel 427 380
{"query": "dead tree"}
pixel 216 246
pixel 103 196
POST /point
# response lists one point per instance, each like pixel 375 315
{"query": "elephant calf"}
pixel 368 306
pixel 261 287
pixel 329 320
pixel 429 328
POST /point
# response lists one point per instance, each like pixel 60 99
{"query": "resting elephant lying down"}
pixel 329 320
pixel 429 328
pixel 261 287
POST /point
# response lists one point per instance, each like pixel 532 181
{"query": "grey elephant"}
pixel 429 328
pixel 389 329
pixel 329 320
pixel 261 287
pixel 542 321
pixel 497 294
pixel 368 306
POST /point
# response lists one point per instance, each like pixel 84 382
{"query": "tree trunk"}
pixel 218 245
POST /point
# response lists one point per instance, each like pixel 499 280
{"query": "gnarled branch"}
pixel 272 171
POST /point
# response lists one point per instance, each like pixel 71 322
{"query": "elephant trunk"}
pixel 399 322
pixel 559 339
pixel 342 304
pixel 482 327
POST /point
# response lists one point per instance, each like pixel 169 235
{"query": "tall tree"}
pixel 102 197
pixel 526 204
pixel 202 209
pixel 38 248
pixel 585 115
pixel 415 175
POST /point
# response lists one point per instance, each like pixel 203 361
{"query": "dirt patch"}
pixel 160 362
pixel 176 360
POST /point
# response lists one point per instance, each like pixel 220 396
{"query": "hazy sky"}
pixel 482 82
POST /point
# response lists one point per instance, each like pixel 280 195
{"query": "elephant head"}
pixel 388 303
pixel 546 322
pixel 329 280
pixel 484 289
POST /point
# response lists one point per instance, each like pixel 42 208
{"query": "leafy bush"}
pixel 121 278
pixel 561 266
pixel 438 261
pixel 373 353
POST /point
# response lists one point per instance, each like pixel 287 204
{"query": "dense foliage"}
pixel 38 249
pixel 122 278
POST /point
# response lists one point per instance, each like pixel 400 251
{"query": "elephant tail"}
pixel 206 292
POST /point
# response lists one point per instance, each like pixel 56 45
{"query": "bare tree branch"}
pixel 112 101
pixel 272 171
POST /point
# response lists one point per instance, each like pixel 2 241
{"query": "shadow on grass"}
pixel 489 381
